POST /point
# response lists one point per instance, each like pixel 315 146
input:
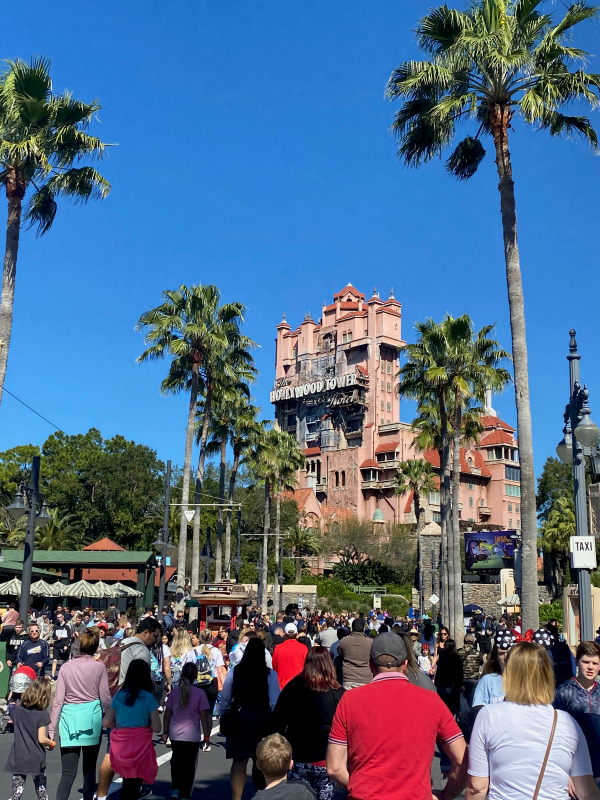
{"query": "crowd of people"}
pixel 318 702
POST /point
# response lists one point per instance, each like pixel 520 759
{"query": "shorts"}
pixel 108 730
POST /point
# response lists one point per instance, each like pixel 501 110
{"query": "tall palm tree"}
pixel 226 376
pixel 42 136
pixel 265 463
pixel 452 366
pixel 189 326
pixel 243 432
pixel 416 476
pixel 497 59
pixel 556 532
pixel 290 459
pixel 62 532
pixel 304 542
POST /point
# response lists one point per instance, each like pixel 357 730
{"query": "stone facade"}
pixel 291 594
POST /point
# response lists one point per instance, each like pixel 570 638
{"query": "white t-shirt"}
pixel 508 745
pixel 166 651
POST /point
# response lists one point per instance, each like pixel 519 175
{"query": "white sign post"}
pixel 583 552
pixel 377 601
pixel 434 599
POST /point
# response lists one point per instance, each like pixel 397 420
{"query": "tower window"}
pixel 389 368
pixel 470 502
pixel 343 478
pixel 389 406
pixel 337 479
pixel 389 387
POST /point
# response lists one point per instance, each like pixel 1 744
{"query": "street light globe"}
pixel 17 508
pixel 564 449
pixel 586 431
pixel 42 517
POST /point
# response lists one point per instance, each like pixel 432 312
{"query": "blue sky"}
pixel 254 152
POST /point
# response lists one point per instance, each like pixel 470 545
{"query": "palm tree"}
pixel 416 476
pixel 265 463
pixel 190 327
pixel 42 136
pixel 497 59
pixel 61 532
pixel 290 459
pixel 243 433
pixel 304 542
pixel 451 365
pixel 556 532
pixel 226 376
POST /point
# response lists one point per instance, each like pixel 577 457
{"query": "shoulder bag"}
pixel 543 769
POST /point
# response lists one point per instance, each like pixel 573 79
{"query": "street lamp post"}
pixel 237 561
pixel 579 434
pixel 31 495
pixel 163 543
pixel 280 579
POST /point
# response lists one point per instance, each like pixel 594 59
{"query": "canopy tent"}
pixel 472 608
pixel 13 586
pixel 42 589
pixel 82 589
pixel 127 590
pixel 109 590
pixel 511 600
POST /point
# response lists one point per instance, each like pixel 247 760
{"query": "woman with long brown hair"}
pixel 304 713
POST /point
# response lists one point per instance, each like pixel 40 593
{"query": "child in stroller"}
pixel 21 679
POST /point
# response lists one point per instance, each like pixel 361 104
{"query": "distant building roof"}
pixel 496 422
pixel 498 436
pixel 434 459
pixel 335 512
pixel 79 558
pixel 312 451
pixel 351 289
pixel 387 447
pixel 299 495
pixel 370 463
pixel 104 545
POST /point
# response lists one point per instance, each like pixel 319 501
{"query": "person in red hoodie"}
pixel 289 656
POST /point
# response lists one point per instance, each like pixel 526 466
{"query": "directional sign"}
pixel 583 552
pixel 434 599
pixel 189 514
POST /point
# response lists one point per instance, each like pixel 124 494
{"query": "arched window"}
pixel 510 523
pixel 343 478
pixel 470 502
pixel 295 351
pixel 481 502
pixel 510 506
pixel 337 479
pixel 349 339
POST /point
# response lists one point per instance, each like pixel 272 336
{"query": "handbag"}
pixel 229 722
pixel 543 769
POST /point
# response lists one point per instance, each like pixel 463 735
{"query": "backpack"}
pixel 176 667
pixel 155 667
pixel 205 675
pixel 111 658
pixel 168 621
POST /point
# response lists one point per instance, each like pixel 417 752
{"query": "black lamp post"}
pixel 237 561
pixel 579 435
pixel 164 543
pixel 26 502
pixel 280 579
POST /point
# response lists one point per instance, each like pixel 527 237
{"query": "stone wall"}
pixel 291 594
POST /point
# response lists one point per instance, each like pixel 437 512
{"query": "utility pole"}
pixel 165 538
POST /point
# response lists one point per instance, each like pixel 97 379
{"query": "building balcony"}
pixel 369 485
pixel 380 484
pixel 383 465
pixel 485 511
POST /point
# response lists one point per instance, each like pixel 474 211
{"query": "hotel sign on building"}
pixel 335 391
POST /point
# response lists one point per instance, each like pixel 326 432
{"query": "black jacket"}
pixel 304 717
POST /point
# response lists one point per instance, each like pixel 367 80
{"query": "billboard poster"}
pixel 489 550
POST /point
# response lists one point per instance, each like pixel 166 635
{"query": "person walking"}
pixel 30 741
pixel 355 651
pixel 81 699
pixel 289 656
pixel 212 680
pixel 182 653
pixel 365 740
pixel 249 695
pixel 34 652
pixel 449 676
pixel 186 716
pixel 490 688
pixel 133 717
pixel 304 714
pixel 524 748
pixel 328 636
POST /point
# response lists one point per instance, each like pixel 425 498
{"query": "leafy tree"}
pixel 304 542
pixel 416 476
pixel 496 60
pixel 555 481
pixel 42 136
pixel 555 537
pixel 290 459
pixel 61 532
pixel 192 329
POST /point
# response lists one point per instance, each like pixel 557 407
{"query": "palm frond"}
pixel 466 158
pixel 41 210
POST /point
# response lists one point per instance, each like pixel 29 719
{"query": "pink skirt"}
pixel 132 753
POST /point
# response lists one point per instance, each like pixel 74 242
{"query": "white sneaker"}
pixel 206 747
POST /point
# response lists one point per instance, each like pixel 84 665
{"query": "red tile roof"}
pixel 362 369
pixel 369 463
pixel 352 315
pixel 351 289
pixel 497 437
pixel 387 447
pixel 496 422
pixel 104 544
pixel 312 451
pixel 434 459
pixel 369 424
pixel 299 495
pixel 124 574
pixel 346 305
pixel 409 502
pixel 331 512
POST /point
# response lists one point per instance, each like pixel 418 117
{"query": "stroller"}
pixel 21 679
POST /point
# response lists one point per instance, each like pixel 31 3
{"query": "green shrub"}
pixel 552 611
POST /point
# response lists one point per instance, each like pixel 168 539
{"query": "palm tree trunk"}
pixel 458 631
pixel 298 562
pixel 446 566
pixel 185 490
pixel 198 491
pixel 232 479
pixel 223 464
pixel 500 119
pixel 277 527
pixel 13 227
pixel 263 593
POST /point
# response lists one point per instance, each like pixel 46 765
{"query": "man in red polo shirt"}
pixel 376 724
pixel 289 656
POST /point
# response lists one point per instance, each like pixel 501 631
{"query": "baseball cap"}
pixel 389 644
pixel 103 625
pixel 291 628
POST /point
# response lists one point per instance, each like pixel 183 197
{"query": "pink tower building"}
pixel 334 390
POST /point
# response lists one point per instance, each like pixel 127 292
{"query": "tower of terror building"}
pixel 334 390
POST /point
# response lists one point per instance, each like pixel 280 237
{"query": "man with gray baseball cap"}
pixel 363 742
